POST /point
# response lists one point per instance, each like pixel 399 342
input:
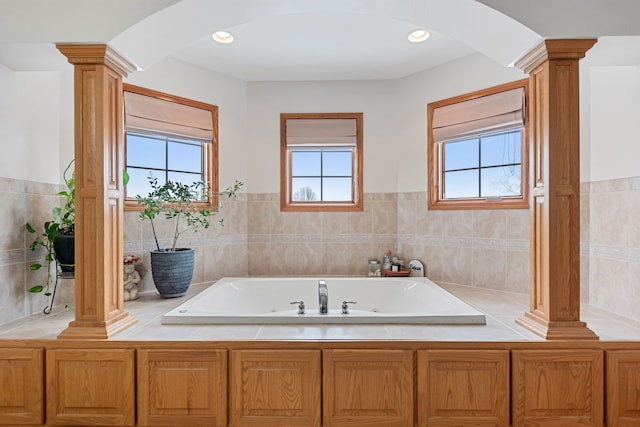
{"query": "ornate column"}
pixel 555 194
pixel 99 161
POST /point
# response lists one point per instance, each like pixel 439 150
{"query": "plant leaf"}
pixel 36 289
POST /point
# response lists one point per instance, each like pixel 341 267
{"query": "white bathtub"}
pixel 379 300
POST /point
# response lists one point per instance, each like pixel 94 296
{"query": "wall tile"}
pixel 609 219
pixel 610 285
pixel 456 265
pixel 490 224
pixel 489 268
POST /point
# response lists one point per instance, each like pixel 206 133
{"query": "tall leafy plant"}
pixel 181 203
pixel 62 222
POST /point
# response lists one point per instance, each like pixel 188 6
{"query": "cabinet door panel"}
pixel 463 388
pixel 90 387
pixel 21 386
pixel 557 388
pixel 182 387
pixel 275 388
pixel 623 388
pixel 368 388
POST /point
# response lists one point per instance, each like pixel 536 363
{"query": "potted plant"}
pixel 172 268
pixel 57 237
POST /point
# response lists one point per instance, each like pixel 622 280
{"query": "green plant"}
pixel 63 221
pixel 179 202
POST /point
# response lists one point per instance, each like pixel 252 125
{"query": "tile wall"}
pixel 22 202
pixel 486 249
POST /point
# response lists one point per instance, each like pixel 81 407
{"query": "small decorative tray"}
pixel 401 273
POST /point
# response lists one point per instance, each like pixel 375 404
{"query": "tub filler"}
pixel 368 300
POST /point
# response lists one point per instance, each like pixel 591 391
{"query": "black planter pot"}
pixel 172 271
pixel 63 245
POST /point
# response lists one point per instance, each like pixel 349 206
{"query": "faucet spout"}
pixel 323 297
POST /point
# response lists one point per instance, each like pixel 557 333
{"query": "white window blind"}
pixel 491 113
pixel 149 115
pixel 303 133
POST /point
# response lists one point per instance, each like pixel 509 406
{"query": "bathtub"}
pixel 378 300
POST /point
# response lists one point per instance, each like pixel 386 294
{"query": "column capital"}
pixel 78 54
pixel 554 49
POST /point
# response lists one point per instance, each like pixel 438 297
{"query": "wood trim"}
pixel 434 157
pixel 210 151
pixel 286 205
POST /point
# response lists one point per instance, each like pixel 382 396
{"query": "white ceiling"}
pixel 312 39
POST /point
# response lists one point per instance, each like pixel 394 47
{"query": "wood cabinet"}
pixel 557 388
pixel 275 388
pixel 182 387
pixel 623 388
pixel 463 388
pixel 314 384
pixel 90 387
pixel 367 388
pixel 21 385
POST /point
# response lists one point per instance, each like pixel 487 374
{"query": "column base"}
pixel 556 329
pixel 79 329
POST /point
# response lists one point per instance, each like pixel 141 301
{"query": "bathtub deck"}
pixel 501 310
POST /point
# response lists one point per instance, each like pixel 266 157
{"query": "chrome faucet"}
pixel 323 297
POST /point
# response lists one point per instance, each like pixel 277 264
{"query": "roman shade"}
pixel 491 113
pixel 303 133
pixel 149 115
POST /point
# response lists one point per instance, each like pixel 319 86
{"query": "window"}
pixel 321 162
pixel 477 150
pixel 169 137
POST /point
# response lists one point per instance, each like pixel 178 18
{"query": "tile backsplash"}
pixel 486 249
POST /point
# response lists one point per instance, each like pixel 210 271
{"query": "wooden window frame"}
pixel 436 201
pixel 209 157
pixel 286 202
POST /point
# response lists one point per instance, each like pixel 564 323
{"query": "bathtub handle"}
pixel 300 306
pixel 345 306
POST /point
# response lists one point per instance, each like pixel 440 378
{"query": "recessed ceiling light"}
pixel 418 36
pixel 222 37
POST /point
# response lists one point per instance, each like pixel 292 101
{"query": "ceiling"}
pixel 311 39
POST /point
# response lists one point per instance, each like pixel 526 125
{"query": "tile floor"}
pixel 500 308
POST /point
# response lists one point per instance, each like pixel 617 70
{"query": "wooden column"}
pixel 555 196
pixel 99 155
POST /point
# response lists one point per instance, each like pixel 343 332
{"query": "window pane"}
pixel 336 190
pixel 305 163
pixel 305 189
pixel 336 163
pixel 461 154
pixel 501 181
pixel 138 184
pixel 461 184
pixel 185 178
pixel 145 152
pixel 501 149
pixel 185 157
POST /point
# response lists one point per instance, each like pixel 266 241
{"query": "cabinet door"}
pixel 90 387
pixel 557 388
pixel 623 388
pixel 463 388
pixel 275 388
pixel 367 388
pixel 182 387
pixel 21 386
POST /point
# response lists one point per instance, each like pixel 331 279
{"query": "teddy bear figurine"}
pixel 131 280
